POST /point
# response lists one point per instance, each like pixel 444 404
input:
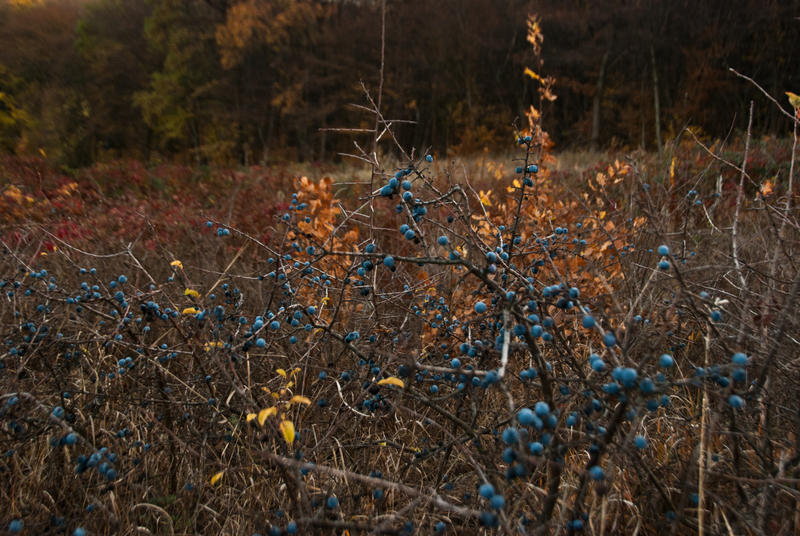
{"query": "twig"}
pixel 429 496
pixel 739 196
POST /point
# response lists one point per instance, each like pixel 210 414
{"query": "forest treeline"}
pixel 254 81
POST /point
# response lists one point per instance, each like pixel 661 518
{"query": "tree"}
pixel 185 97
pixel 111 43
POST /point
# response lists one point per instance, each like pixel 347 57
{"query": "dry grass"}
pixel 179 415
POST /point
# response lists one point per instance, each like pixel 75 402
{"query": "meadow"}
pixel 530 343
pixel 418 314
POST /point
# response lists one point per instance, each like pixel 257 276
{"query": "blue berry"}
pixel 572 420
pixel 443 240
pixel 663 250
pixel 497 502
pixel 739 359
pixel 627 376
pixel 598 365
pixel 488 519
pixel 486 490
pixel 596 472
pixel 332 502
pixel 588 321
pixel 510 435
pixel 666 361
pixel 526 417
pixel 542 409
pixel 480 307
pixel 735 401
pixel 609 339
pixel 640 442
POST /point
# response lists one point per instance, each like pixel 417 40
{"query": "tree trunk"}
pixel 642 100
pixel 598 97
pixel 323 140
pixel 656 102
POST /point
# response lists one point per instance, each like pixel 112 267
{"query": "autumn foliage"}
pixel 243 81
pixel 419 343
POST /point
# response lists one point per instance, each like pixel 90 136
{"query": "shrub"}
pixel 327 371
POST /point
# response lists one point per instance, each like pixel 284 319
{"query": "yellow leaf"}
pixel 391 380
pixel 191 292
pixel 281 372
pixel 251 416
pixel 529 72
pixel 672 173
pixel 298 399
pixel 794 99
pixel 216 478
pixel 287 429
pixel 484 196
pixel 190 311
pixel 264 413
pixel 177 264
